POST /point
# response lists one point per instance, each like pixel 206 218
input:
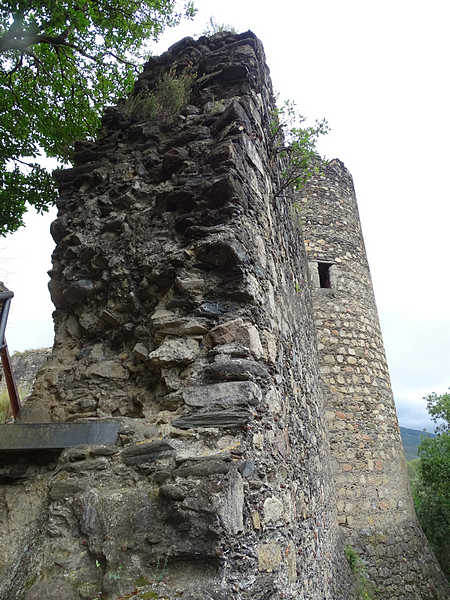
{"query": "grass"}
pixel 214 27
pixel 366 589
pixel 5 408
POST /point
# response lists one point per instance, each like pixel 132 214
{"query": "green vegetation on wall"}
pixel 366 589
pixel 165 102
pixel 214 27
pixel 296 145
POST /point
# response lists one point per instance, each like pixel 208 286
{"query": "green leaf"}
pixel 61 63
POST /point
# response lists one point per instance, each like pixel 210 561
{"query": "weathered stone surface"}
pixel 269 557
pixel 66 489
pixel 22 509
pixel 94 464
pixel 172 492
pixel 273 509
pixel 175 351
pixel 218 418
pixel 236 370
pixel 223 253
pixel 74 293
pixel 25 366
pixel 202 468
pixel 236 331
pixel 223 395
pixel 141 351
pixel 109 369
pixel 180 327
pixel 233 350
pixel 146 452
pixel 232 509
pixel 221 476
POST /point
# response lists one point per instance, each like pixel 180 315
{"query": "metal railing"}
pixel 5 302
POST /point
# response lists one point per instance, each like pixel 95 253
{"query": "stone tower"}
pixel 374 503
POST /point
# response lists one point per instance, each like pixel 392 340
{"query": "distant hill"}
pixel 411 439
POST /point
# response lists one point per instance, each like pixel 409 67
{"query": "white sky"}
pixel 378 72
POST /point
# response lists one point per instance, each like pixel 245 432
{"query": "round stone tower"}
pixel 374 503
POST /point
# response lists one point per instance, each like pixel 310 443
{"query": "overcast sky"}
pixel 378 72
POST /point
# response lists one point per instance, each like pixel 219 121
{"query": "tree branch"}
pixel 22 162
pixel 21 40
pixel 121 60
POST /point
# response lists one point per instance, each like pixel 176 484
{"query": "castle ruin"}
pixel 257 431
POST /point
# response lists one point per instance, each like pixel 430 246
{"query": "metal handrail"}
pixel 5 301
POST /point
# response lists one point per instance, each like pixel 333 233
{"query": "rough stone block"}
pixel 236 331
pixel 175 351
pixel 147 452
pixel 235 370
pixel 269 557
pixel 108 369
pixel 273 509
pixel 224 395
pixel 214 418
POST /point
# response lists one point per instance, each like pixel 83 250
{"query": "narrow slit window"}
pixel 324 274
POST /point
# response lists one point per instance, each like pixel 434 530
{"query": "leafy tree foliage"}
pixel 439 409
pixel 296 145
pixel 61 62
pixel 431 486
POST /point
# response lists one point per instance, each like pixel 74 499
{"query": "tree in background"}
pixel 431 486
pixel 61 62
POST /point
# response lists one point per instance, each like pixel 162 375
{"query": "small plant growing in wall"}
pixel 165 102
pixel 366 589
pixel 214 27
pixel 295 144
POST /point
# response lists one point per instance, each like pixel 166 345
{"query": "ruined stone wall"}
pixel 175 280
pixel 374 503
pixel 184 312
pixel 25 366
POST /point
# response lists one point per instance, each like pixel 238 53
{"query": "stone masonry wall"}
pixel 175 280
pixel 25 366
pixel 374 503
